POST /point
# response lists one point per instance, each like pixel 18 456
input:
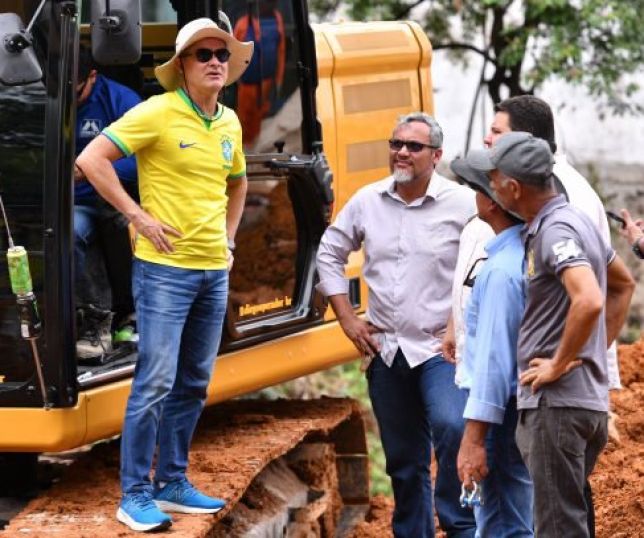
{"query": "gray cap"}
pixel 476 179
pixel 518 155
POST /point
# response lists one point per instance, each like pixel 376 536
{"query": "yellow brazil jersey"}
pixel 183 162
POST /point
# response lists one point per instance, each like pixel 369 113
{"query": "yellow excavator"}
pixel 319 134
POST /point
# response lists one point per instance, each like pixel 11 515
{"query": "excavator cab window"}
pixel 267 97
pixel 268 282
pixel 22 135
pixel 23 170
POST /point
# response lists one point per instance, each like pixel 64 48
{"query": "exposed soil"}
pixel 264 268
pixel 234 442
pixel 378 520
pixel 237 439
pixel 618 480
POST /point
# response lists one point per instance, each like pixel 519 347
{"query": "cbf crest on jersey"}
pixel 227 148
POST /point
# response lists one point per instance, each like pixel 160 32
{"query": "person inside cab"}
pixel 100 102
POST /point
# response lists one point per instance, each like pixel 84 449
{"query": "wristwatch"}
pixel 231 244
pixel 636 248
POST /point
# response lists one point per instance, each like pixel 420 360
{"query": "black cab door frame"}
pixel 59 366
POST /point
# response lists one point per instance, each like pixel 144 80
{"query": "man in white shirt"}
pixel 533 115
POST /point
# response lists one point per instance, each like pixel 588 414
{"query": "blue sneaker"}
pixel 138 511
pixel 182 496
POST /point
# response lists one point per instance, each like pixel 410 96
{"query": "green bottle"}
pixel 19 274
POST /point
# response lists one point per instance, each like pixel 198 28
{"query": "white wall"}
pixel 582 135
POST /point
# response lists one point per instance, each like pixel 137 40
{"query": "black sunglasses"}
pixel 412 145
pixel 205 55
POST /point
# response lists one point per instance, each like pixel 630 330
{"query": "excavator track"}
pixel 272 461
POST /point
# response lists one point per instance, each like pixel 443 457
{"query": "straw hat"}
pixel 240 52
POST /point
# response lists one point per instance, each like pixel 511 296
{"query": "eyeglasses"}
pixel 412 146
pixel 205 55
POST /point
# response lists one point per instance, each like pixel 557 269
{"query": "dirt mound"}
pixel 377 523
pixel 234 442
pixel 631 363
pixel 618 480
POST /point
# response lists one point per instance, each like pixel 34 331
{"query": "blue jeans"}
pixel 180 314
pixel 97 221
pixel 415 409
pixel 507 490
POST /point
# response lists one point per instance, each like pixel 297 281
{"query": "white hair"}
pixel 435 131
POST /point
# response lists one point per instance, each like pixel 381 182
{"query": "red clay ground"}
pixel 235 440
pixel 618 480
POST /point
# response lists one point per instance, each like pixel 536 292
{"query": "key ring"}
pixel 471 498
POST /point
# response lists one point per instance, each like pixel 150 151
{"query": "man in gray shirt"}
pixel 577 296
pixel 408 225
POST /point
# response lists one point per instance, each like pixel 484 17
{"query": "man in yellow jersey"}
pixel 192 182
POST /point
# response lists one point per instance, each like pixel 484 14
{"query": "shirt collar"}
pixel 434 188
pixel 498 242
pixel 555 203
pixel 195 108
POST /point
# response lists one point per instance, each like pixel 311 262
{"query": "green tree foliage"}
pixel 596 44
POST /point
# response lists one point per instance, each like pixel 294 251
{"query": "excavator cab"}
pixel 348 80
pixel 289 197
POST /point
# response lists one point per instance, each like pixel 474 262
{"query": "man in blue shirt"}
pixel 577 296
pixel 100 102
pixel 488 453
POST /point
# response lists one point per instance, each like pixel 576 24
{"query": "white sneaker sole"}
pixel 125 518
pixel 167 506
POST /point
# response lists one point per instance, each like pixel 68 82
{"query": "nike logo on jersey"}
pixel 183 145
